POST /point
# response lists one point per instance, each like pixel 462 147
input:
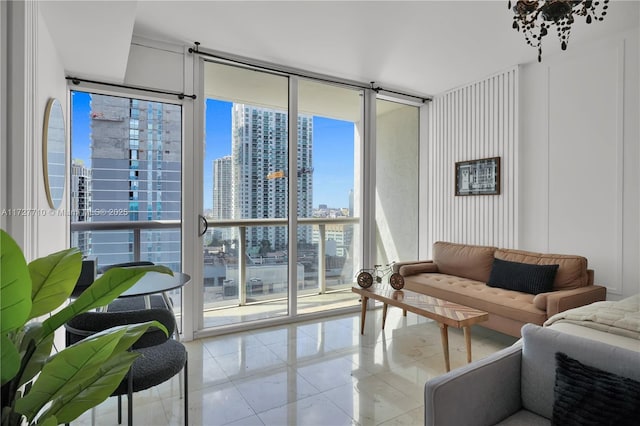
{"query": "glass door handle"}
pixel 203 220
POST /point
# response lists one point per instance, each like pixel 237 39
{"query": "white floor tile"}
pixel 316 410
pixel 321 372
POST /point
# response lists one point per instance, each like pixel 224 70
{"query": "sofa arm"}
pixel 478 394
pixel 558 301
pixel 398 265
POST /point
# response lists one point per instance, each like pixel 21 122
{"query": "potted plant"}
pixel 47 388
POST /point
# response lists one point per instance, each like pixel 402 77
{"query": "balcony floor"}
pixel 254 311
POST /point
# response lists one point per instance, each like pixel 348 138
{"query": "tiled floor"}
pixel 311 373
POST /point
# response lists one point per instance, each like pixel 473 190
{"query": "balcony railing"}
pixel 241 224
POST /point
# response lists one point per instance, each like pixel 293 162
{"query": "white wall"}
pixel 468 123
pixel 579 162
pixel 396 192
pixel 36 74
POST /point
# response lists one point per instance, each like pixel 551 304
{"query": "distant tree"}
pixel 265 247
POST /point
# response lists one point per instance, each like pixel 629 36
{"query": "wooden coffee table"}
pixel 444 313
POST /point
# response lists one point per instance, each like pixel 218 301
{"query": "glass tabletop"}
pixel 155 282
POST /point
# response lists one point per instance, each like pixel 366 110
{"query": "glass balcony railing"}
pixel 235 251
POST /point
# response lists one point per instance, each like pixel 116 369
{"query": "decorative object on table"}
pixel 478 177
pixel 365 277
pixel 54 148
pixel 535 18
pixel 42 388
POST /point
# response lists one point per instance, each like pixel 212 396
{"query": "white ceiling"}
pixel 423 47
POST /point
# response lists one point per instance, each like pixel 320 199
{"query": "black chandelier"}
pixel 535 18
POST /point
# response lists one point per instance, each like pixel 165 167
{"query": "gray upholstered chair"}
pixel 516 386
pixel 162 357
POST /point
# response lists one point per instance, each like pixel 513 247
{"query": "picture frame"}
pixel 478 177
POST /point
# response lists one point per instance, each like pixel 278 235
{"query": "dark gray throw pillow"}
pixel 525 277
pixel 585 396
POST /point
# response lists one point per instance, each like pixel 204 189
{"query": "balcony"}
pixel 324 269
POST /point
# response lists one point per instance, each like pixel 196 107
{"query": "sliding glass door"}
pixel 329 189
pixel 252 186
pixel 245 195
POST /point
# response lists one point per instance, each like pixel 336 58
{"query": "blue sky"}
pixel 332 149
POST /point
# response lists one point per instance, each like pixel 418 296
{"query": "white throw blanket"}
pixel 622 317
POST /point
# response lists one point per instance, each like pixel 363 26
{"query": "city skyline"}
pixel 332 151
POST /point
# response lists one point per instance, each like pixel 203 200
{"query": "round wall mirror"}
pixel 54 153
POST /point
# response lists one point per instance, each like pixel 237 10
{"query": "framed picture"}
pixel 478 177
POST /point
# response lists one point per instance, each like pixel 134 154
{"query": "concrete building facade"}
pixel 136 152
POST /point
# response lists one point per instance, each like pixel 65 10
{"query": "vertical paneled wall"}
pixel 473 122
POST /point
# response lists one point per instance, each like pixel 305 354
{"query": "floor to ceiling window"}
pixel 126 180
pixel 247 262
pixel 329 190
pixel 284 212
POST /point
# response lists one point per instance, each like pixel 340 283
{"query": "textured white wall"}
pixel 579 163
pixel 473 122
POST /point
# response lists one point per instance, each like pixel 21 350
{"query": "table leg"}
pixel 467 339
pixel 384 314
pixel 363 313
pixel 444 334
pixel 404 312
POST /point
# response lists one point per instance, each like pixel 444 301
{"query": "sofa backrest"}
pixel 572 272
pixel 464 260
pixel 538 368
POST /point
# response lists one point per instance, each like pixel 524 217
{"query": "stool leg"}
pixel 130 399
pixel 186 391
pixel 119 409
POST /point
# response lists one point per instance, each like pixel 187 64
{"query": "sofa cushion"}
pixel 586 395
pixel 475 294
pixel 463 260
pixel 532 279
pixel 572 270
pixel 417 268
pixel 538 363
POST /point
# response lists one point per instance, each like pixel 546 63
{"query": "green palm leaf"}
pixel 93 391
pixel 53 278
pixel 15 286
pixel 67 365
pixel 103 290
pixel 67 372
pixel 50 421
pixel 10 359
pixel 40 355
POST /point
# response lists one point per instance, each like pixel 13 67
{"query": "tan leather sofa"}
pixel 459 273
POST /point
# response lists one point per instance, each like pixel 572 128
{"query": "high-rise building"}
pixel 222 196
pixel 260 171
pixel 222 193
pixel 80 203
pixel 136 151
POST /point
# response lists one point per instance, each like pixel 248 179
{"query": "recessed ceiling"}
pixel 422 47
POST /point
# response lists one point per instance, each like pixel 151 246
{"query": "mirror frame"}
pixel 54 137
